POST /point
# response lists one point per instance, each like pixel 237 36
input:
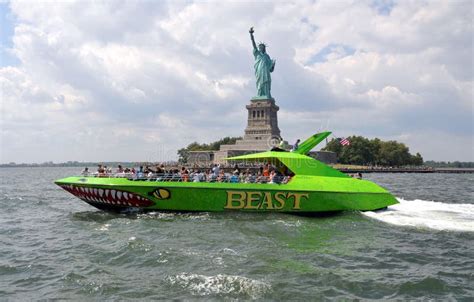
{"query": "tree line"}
pixel 449 164
pixel 361 151
pixel 371 152
pixel 214 146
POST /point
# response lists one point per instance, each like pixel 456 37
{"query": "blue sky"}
pixel 7 26
pixel 137 80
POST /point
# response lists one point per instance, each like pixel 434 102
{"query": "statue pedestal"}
pixel 261 134
pixel 262 121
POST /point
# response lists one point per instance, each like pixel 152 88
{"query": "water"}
pixel 54 246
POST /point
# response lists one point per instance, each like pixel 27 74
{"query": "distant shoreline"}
pixel 343 168
pixel 406 170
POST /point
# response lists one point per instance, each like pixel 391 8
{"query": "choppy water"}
pixel 54 246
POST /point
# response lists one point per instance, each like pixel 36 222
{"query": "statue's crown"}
pixel 261 43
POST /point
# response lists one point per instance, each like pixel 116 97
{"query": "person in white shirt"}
pixel 85 172
pixel 216 170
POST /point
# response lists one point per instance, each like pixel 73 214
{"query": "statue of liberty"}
pixel 263 66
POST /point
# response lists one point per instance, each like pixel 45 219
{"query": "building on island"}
pixel 261 134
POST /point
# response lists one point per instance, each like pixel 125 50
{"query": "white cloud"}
pixel 137 80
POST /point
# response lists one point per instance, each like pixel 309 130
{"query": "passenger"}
pixel 139 173
pixel 296 145
pixel 261 179
pixel 272 177
pixel 236 168
pixel 284 171
pixel 196 176
pixel 160 169
pixel 148 171
pixel 184 174
pixel 202 176
pixel 149 175
pixel 288 178
pixel 247 179
pixel 85 172
pixel 120 172
pixel 221 177
pixel 278 177
pixel 176 176
pixel 100 171
pixel 166 175
pixel 234 178
pixel 210 176
pixel 266 170
pixel 246 176
pixel 216 170
pixel 242 177
pixel 159 176
pixel 271 167
pixel 251 178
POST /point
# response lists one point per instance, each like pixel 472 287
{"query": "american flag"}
pixel 344 141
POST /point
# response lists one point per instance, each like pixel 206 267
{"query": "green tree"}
pixel 363 151
pixel 334 146
pixel 183 153
pixel 359 152
pixel 393 153
pixel 417 159
pixel 376 145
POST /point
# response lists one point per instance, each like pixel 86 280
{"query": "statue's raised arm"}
pixel 252 38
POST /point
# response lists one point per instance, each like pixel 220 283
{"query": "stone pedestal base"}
pixel 261 134
pixel 262 121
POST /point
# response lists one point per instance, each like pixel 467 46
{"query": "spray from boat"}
pixel 428 214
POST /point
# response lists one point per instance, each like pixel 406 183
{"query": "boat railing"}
pixel 198 177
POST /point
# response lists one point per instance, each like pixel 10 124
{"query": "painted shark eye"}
pixel 161 194
pixel 164 193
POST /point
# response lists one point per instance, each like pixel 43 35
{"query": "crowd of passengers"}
pixel 266 173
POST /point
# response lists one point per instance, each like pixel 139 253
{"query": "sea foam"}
pixel 428 214
pixel 202 285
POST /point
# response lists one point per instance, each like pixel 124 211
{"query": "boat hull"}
pixel 304 195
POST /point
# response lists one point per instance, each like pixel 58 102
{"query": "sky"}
pixel 137 80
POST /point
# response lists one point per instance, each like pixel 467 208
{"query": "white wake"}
pixel 202 285
pixel 428 214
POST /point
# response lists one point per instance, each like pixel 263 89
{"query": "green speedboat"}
pixel 308 186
